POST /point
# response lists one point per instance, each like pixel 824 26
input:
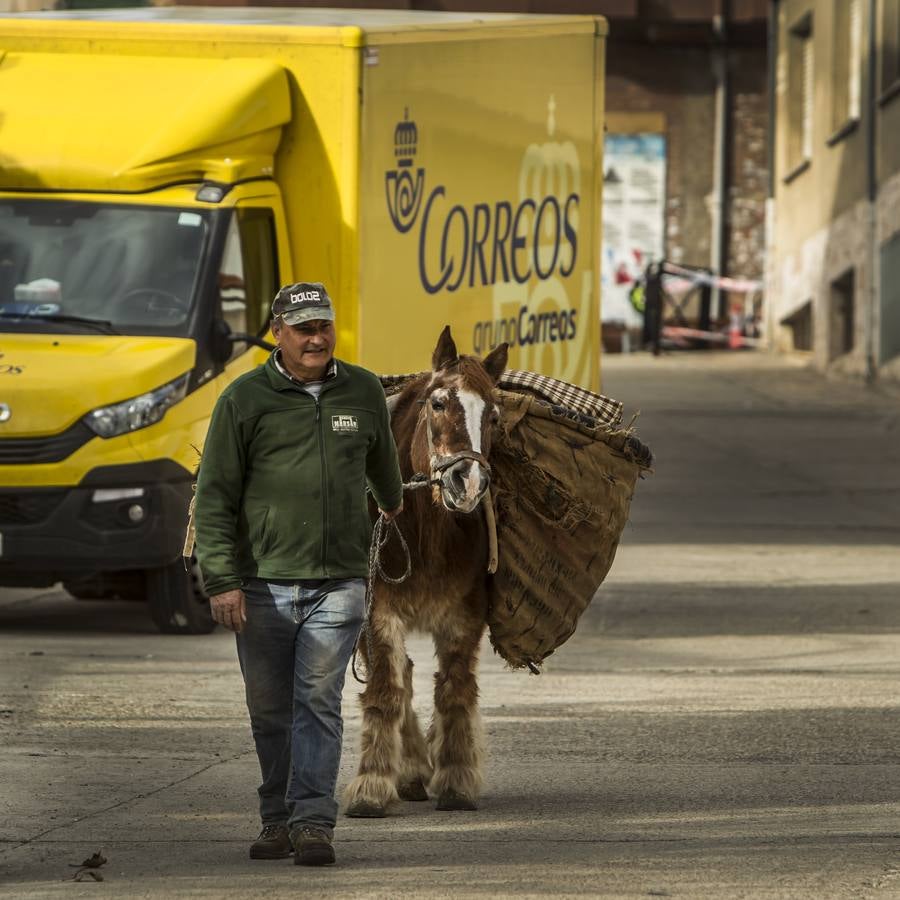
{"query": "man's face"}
pixel 307 348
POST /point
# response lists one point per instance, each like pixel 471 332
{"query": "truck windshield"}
pixel 67 265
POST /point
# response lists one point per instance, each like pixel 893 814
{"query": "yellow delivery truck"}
pixel 163 171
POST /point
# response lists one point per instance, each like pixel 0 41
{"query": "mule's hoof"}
pixel 451 800
pixel 365 809
pixel 412 790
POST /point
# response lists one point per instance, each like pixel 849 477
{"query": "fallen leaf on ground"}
pixel 92 862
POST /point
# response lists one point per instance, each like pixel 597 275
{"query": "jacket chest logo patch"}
pixel 344 423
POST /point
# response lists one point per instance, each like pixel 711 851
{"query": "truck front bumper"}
pixel 119 518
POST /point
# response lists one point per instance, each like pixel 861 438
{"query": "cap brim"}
pixel 296 316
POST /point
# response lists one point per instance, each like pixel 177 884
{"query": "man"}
pixel 282 540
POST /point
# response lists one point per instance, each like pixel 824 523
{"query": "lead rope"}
pixel 381 534
pixel 190 537
pixel 487 502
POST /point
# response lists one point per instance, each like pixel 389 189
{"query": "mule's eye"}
pixel 437 405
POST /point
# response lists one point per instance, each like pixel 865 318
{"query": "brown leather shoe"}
pixel 273 843
pixel 312 846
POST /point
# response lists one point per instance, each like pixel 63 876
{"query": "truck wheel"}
pixel 178 604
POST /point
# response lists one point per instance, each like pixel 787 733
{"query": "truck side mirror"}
pixel 223 339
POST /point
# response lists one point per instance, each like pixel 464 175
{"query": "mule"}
pixel 442 424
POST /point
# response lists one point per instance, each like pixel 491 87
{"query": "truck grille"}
pixel 56 447
pixel 28 508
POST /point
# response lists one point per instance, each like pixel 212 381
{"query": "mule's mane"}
pixel 473 375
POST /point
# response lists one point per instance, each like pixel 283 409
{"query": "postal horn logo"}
pixel 404 188
pixel 495 240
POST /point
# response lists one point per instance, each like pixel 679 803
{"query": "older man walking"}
pixel 282 541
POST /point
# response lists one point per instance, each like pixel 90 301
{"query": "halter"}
pixel 438 464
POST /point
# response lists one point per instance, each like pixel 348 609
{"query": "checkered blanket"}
pixel 604 410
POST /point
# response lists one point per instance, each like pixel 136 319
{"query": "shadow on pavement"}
pixel 56 612
pixel 636 610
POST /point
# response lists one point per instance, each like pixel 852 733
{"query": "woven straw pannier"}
pixel 562 485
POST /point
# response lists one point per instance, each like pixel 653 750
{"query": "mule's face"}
pixel 460 416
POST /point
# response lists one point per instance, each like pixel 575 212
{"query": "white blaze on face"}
pixel 473 408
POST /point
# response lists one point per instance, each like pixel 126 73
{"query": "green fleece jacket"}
pixel 281 492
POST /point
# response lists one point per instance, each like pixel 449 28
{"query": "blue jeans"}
pixel 293 652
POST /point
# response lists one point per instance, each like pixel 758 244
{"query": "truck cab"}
pixel 123 314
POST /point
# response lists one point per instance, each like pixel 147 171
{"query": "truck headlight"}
pixel 139 412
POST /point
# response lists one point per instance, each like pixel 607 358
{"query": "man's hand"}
pixel 229 609
pixel 391 513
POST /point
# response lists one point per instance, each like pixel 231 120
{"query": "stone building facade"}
pixel 833 274
pixel 672 88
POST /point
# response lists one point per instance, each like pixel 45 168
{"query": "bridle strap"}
pixel 440 463
pixel 444 462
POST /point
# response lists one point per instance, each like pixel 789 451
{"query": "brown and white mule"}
pixel 442 424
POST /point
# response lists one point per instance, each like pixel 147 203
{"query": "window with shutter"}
pixel 846 68
pixel 801 94
pixel 889 43
pixel 807 87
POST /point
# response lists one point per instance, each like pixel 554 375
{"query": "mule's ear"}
pixel 445 354
pixel 495 361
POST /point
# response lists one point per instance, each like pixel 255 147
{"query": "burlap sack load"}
pixel 563 483
pixel 563 475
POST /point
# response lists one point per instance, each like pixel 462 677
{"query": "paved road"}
pixel 723 724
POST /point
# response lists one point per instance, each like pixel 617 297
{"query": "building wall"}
pixel 806 276
pixel 834 177
pixel 886 322
pixel 749 165
pixel 677 85
pixel 889 109
pixel 825 230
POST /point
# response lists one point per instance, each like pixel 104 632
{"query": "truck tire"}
pixel 178 603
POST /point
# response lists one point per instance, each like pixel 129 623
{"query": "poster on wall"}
pixel 634 196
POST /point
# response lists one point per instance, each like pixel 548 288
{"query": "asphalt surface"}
pixel 724 723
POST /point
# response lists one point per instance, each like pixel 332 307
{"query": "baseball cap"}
pixel 301 302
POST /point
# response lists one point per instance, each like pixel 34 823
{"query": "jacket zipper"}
pixel 321 438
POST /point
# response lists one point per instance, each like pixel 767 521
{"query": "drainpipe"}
pixel 718 248
pixel 769 237
pixel 874 278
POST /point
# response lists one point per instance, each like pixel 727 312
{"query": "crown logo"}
pixel 406 136
pixel 404 185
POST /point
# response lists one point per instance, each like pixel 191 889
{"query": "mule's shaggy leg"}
pixel 415 770
pixel 456 748
pixel 374 788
